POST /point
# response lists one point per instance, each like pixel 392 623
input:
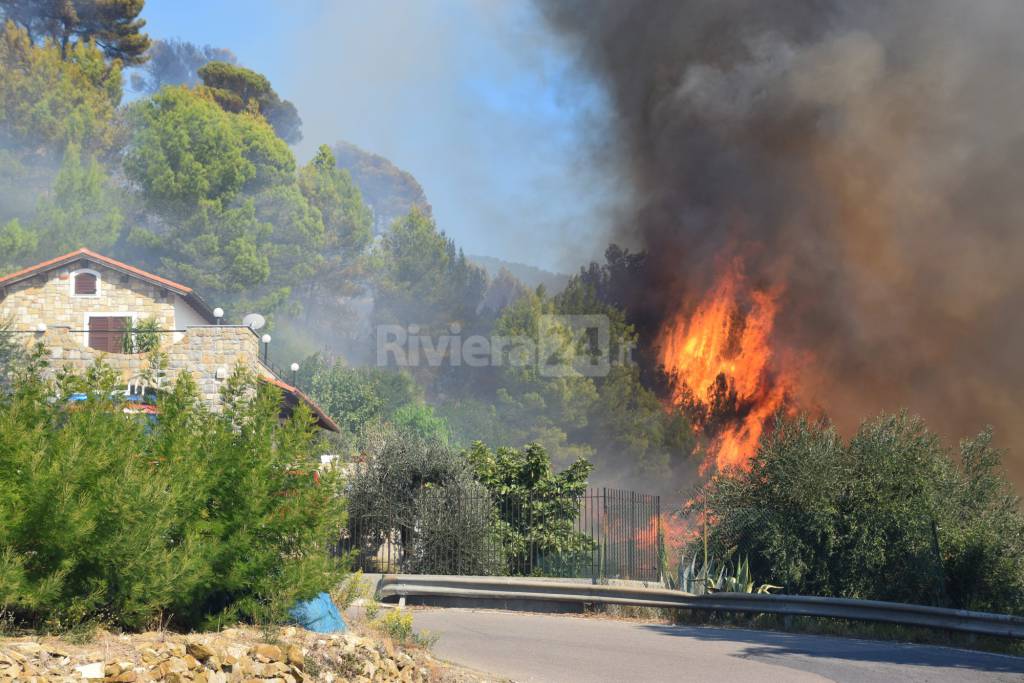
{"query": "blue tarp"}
pixel 318 615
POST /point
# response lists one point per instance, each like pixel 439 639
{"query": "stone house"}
pixel 82 304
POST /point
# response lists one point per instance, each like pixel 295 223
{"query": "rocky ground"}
pixel 286 655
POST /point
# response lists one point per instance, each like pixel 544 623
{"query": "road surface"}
pixel 536 647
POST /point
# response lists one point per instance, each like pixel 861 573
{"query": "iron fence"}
pixel 603 534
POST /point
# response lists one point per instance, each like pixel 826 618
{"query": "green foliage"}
pixel 237 89
pixel 534 404
pixel 391 192
pixel 726 579
pixel 240 228
pixel 455 532
pixel 176 62
pixel 198 517
pixel 421 278
pixel 113 24
pixel 628 418
pixel 536 508
pixel 351 589
pixel 13 354
pixel 396 624
pixel 356 397
pixel 471 419
pixel 17 243
pixel 82 210
pixel 347 228
pixel 421 419
pixel 48 101
pixel 405 488
pixel 886 516
pixel 142 337
pixel 186 150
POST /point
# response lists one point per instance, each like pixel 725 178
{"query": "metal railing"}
pixel 606 533
pixel 508 592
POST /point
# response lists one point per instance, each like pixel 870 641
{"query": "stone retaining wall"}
pixel 209 353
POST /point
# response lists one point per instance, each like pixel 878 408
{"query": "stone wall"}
pixel 209 353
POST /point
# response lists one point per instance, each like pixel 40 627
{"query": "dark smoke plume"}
pixel 866 156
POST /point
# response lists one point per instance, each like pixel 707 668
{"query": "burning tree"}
pixel 723 368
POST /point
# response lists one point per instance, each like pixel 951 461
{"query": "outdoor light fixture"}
pixel 41 327
pixel 295 369
pixel 266 343
pixel 218 313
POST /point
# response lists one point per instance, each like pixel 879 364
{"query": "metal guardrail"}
pixel 541 590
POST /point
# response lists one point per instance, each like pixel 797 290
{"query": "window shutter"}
pixel 98 331
pixel 107 333
pixel 85 283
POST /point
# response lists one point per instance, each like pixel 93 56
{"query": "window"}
pixel 85 283
pixel 106 333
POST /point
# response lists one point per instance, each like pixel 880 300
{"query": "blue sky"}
pixel 475 98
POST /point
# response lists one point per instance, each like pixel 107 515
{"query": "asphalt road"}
pixel 535 647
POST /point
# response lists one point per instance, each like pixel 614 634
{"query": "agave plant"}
pixel 718 577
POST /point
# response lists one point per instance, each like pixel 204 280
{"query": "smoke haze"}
pixel 473 100
pixel 864 158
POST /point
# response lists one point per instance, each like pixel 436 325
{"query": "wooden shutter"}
pixel 106 333
pixel 85 283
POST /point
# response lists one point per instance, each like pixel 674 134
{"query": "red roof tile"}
pixel 323 418
pixel 87 253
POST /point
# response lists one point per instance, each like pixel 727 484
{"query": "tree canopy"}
pixel 176 62
pixel 48 101
pixel 887 515
pixel 238 89
pixel 113 25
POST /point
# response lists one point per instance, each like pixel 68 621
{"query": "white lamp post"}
pixel 218 313
pixel 266 344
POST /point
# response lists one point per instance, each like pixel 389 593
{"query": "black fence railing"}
pixel 604 534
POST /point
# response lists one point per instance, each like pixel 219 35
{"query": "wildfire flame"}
pixel 720 358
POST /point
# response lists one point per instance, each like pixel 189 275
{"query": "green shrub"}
pixel 196 519
pixel 142 337
pixel 889 515
pixel 420 492
pixel 396 624
pixel 536 509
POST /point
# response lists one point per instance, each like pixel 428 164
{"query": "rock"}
pixel 200 651
pixel 266 653
pixel 93 670
pixel 28 648
pixel 294 656
pixel 55 650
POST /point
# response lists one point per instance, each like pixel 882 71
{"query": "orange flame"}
pixel 722 350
